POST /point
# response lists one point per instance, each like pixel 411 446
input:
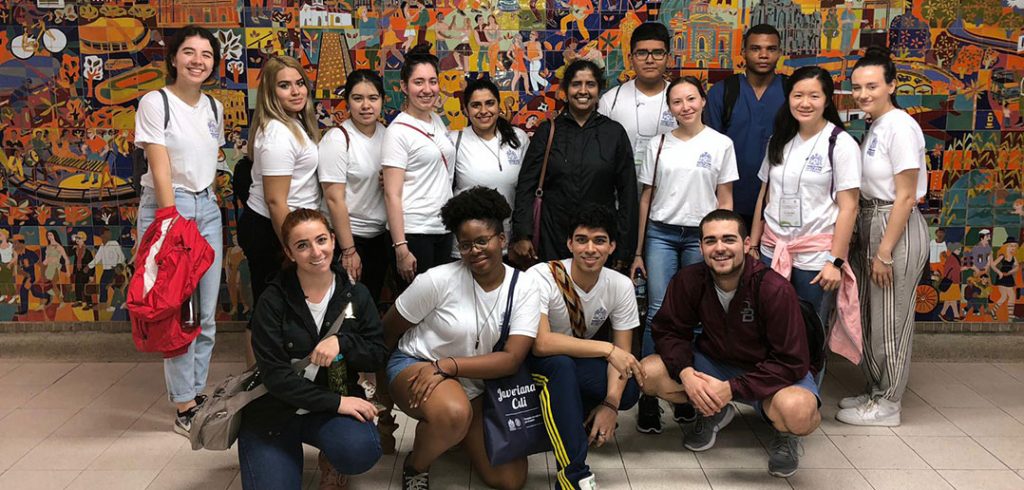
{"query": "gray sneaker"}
pixel 701 435
pixel 784 454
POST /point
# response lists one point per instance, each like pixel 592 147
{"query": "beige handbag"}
pixel 215 426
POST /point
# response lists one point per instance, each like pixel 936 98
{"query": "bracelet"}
pixel 456 366
pixel 399 244
pixel 889 263
pixel 609 405
pixel 440 372
pixel 609 354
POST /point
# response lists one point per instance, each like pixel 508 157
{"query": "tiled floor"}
pixel 107 426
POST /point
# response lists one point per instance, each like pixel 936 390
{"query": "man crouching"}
pixel 752 346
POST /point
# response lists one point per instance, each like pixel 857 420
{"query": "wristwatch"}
pixel 836 261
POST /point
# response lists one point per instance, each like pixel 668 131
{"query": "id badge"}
pixel 640 150
pixel 790 215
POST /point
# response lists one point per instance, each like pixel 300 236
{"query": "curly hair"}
pixel 479 203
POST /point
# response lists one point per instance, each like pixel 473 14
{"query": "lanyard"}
pixel 636 114
pixel 800 178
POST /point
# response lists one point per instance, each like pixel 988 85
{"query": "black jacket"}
pixel 283 330
pixel 590 163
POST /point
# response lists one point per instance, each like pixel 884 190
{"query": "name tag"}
pixel 790 215
pixel 640 150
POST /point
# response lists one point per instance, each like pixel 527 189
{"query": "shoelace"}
pixel 417 482
pixel 788 445
pixel 699 424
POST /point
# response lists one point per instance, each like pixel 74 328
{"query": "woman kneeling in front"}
pixel 323 405
pixel 448 321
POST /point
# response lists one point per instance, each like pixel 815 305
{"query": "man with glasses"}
pixel 585 373
pixel 743 107
pixel 639 105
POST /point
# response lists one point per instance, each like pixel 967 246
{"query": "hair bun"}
pixel 878 51
pixel 421 49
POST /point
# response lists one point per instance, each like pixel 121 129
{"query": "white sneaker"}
pixel 854 401
pixel 588 483
pixel 879 413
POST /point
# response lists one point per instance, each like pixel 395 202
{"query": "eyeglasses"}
pixel 656 54
pixel 479 244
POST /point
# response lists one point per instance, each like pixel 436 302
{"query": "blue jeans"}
pixel 273 459
pixel 571 388
pixel 823 301
pixel 667 249
pixel 186 374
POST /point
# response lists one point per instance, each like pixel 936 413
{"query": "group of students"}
pixel 645 181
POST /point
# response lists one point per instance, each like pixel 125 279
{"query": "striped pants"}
pixel 887 314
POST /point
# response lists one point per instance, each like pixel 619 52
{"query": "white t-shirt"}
pixel 193 138
pixel 612 297
pixel 893 144
pixel 642 116
pixel 689 172
pixel 488 164
pixel 807 175
pixel 279 154
pixel 318 311
pixel 355 162
pixel 441 303
pixel 428 179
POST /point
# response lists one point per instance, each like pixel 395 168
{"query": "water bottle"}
pixel 190 312
pixel 640 283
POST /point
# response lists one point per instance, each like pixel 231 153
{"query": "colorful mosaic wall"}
pixel 70 78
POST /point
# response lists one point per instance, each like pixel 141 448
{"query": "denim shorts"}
pixel 724 372
pixel 398 362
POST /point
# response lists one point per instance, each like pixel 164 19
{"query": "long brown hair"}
pixel 269 108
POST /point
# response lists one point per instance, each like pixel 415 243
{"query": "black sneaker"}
pixel 784 454
pixel 648 417
pixel 684 413
pixel 183 421
pixel 701 435
pixel 200 399
pixel 411 480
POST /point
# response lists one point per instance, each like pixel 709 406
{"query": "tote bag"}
pixel 513 424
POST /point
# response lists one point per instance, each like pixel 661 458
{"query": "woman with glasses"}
pixel 490 151
pixel 445 326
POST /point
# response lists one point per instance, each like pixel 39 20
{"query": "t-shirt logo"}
pixel 704 160
pixel 667 119
pixel 599 317
pixel 814 163
pixel 872 146
pixel 512 155
pixel 211 125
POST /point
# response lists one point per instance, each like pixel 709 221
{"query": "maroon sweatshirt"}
pixel 768 340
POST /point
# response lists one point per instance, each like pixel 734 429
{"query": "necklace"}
pixel 487 144
pixel 476 314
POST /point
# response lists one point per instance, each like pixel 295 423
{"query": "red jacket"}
pixel 767 340
pixel 170 261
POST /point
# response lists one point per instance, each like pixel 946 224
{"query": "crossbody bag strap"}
pixel 547 155
pixel 507 317
pixel 431 138
pixel 301 364
pixel 563 281
pixel 654 181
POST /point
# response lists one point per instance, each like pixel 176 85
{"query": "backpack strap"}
pixel 654 180
pixel 731 96
pixel 547 154
pixel 167 108
pixel 344 131
pixel 458 144
pixel 213 106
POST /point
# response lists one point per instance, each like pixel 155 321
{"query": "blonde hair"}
pixel 269 108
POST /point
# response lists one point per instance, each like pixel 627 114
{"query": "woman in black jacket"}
pixel 323 405
pixel 591 161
